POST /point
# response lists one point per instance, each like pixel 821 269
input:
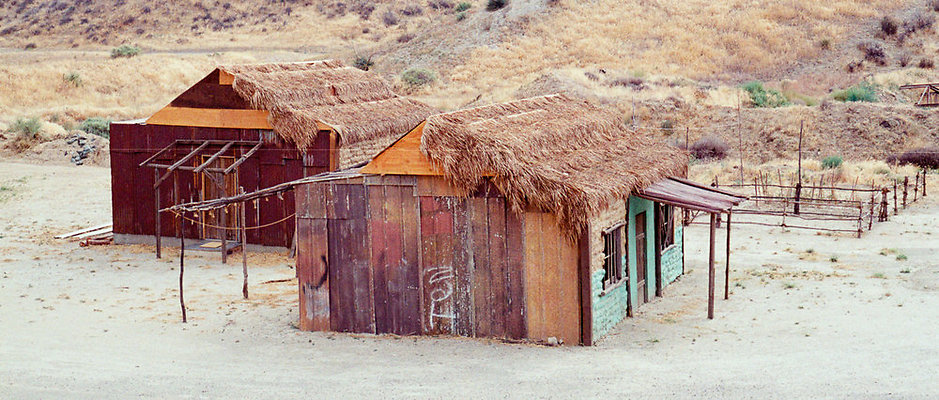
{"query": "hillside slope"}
pixel 642 56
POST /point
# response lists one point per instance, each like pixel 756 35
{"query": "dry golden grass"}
pixel 34 83
pixel 697 39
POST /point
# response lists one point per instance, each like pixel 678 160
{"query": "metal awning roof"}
pixel 690 195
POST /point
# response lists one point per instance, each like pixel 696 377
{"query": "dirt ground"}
pixel 103 322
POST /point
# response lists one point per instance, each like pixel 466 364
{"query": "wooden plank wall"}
pixel 404 256
pixel 551 276
pixel 275 163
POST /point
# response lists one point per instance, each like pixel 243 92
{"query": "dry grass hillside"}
pixel 669 65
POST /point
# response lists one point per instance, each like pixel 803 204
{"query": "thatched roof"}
pixel 359 105
pixel 554 153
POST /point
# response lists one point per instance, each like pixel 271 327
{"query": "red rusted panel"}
pixel 207 93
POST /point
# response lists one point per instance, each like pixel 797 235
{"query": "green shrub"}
pixel 25 126
pixel 862 92
pixel 25 131
pixel 125 50
pixel 97 126
pixel 363 63
pixel 463 6
pixel 73 78
pixel 418 77
pixel 461 16
pixel 764 98
pixel 831 162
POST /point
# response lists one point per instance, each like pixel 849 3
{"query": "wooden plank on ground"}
pixel 83 230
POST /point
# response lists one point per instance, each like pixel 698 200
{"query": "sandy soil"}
pixel 102 322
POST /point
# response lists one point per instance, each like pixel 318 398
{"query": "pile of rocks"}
pixel 82 146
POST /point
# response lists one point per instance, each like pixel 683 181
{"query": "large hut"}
pixel 249 127
pixel 534 219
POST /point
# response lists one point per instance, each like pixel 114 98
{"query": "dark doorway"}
pixel 641 250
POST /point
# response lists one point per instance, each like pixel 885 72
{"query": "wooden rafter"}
pixel 182 161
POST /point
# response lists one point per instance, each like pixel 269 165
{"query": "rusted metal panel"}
pixel 207 93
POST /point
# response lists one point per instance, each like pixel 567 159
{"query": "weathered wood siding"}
pixel 277 162
pixel 405 255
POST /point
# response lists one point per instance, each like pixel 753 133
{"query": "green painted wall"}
pixel 610 308
pixel 636 206
pixel 672 260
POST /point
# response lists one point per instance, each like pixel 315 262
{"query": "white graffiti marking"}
pixel 440 282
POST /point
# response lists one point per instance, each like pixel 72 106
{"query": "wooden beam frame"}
pixel 214 157
pixel 180 162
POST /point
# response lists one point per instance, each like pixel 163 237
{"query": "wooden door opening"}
pixel 641 250
pixel 217 186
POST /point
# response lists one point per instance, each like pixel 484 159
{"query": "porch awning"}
pixel 690 195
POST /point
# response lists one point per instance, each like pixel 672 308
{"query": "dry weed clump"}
pixel 709 148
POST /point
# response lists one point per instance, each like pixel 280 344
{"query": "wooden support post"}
pixel 727 262
pixel 916 187
pixel 156 213
pixel 244 245
pixel 182 251
pixel 870 224
pixel 711 267
pixel 223 230
pixel 906 185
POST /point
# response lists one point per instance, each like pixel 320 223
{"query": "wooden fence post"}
pixel 924 182
pixel 860 219
pixel 795 208
pixel 873 199
pixel 884 213
pixel 906 185
pixel 916 187
pixel 894 197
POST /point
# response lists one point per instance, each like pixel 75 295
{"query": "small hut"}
pixel 534 219
pixel 249 127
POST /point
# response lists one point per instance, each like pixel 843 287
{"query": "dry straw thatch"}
pixel 360 106
pixel 554 153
